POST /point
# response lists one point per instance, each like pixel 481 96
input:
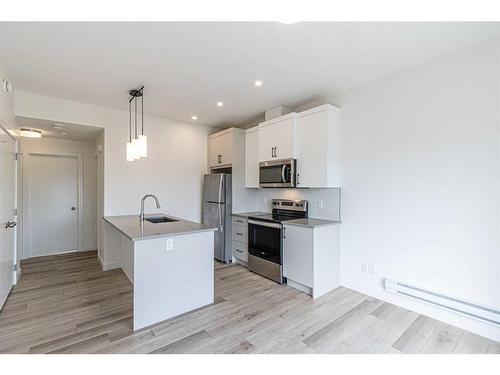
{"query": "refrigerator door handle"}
pixel 221 228
pixel 220 186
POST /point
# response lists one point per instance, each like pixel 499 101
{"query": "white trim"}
pixel 25 199
pixel 108 266
pixel 299 286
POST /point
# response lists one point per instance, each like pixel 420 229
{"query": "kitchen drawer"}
pixel 240 233
pixel 240 251
pixel 238 220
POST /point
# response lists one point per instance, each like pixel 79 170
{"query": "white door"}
pixel 53 204
pixel 284 139
pixel 7 213
pixel 266 142
pixel 298 254
pixel 252 159
pixel 312 164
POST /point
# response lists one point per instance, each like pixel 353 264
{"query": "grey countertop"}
pixel 130 226
pixel 312 223
pixel 250 213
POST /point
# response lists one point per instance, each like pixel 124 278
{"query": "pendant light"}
pixel 143 139
pixel 137 145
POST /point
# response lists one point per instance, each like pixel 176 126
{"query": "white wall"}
pixel 89 179
pixel 421 182
pixel 99 143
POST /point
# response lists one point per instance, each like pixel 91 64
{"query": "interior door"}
pixel 7 213
pixel 213 215
pixel 53 204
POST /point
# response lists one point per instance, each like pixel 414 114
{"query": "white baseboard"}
pixel 108 266
pixel 299 286
pixel 457 320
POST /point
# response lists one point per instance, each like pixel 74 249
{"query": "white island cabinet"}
pixel 311 255
pixel 170 265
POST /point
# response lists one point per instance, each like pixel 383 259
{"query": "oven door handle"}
pixel 265 224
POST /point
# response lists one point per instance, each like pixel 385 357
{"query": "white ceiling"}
pixel 187 67
pixel 74 131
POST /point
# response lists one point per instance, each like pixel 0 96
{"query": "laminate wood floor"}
pixel 66 304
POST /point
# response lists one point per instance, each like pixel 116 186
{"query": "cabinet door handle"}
pixel 239 221
pixel 219 159
pixel 239 234
pixel 239 251
pixel 276 152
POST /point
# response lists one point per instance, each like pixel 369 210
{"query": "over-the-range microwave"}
pixel 278 173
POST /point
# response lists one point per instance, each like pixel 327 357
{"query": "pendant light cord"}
pixel 142 112
pixel 130 121
pixel 135 101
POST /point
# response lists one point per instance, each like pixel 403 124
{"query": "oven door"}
pixel 264 240
pixel 277 173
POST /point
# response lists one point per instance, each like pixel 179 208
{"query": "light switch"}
pixel 170 244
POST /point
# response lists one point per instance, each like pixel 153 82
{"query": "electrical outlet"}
pixel 368 268
pixel 371 269
pixel 170 244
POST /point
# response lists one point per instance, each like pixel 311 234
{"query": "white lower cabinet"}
pixel 311 258
pixel 240 238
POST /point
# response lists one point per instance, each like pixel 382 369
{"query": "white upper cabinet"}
pixel 252 157
pixel 220 149
pixel 318 131
pixel 278 138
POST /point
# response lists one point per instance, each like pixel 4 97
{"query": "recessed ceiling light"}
pixel 220 104
pixel 57 125
pixel 258 83
pixel 194 118
pixel 30 133
pixel 63 133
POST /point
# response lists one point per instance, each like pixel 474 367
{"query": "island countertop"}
pixel 130 226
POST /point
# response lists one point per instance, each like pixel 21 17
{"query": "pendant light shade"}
pixel 130 152
pixel 142 145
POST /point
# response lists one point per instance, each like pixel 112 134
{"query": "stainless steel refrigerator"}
pixel 217 210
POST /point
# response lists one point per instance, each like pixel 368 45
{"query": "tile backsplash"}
pixel 323 203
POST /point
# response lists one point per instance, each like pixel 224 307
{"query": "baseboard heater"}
pixel 460 306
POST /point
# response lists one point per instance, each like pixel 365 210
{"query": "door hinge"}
pixel 16 212
pixel 14 267
pixel 18 155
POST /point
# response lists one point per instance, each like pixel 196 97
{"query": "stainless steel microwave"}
pixel 278 173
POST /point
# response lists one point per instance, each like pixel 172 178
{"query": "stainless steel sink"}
pixel 159 219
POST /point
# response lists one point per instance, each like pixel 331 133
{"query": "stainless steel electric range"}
pixel 265 237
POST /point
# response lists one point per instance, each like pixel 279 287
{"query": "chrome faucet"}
pixel 141 216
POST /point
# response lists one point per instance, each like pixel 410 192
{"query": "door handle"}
pixel 73 208
pixel 10 224
pixel 276 152
pixel 283 170
pixel 221 228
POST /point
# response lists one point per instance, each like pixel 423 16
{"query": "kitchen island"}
pixel 170 262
